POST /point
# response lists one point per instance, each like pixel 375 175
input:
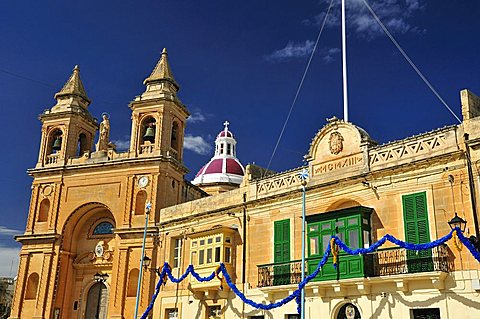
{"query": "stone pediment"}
pixel 338 148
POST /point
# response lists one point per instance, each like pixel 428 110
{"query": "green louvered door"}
pixel 281 273
pixel 415 216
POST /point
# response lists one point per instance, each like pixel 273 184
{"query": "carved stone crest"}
pixel 336 143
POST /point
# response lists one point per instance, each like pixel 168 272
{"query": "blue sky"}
pixel 238 61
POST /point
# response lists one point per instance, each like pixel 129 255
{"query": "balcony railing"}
pixel 385 262
pixel 401 261
pixel 53 158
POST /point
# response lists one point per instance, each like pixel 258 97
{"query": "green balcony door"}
pixel 281 273
pixel 415 217
pixel 351 226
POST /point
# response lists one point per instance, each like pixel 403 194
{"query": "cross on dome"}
pixel 226 123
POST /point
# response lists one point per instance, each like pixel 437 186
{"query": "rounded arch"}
pixel 32 286
pixel 148 122
pixel 55 135
pixel 342 204
pixel 90 294
pixel 175 136
pixel 43 210
pixel 82 144
pixel 81 215
pixel 346 309
pixel 132 282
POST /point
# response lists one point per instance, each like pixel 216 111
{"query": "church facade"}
pixel 83 241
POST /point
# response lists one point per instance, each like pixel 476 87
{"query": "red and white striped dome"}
pixel 224 167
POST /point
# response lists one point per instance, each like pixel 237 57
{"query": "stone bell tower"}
pixel 68 129
pixel 158 116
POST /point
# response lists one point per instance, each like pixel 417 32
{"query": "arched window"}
pixel 55 141
pixel 174 138
pixel 140 202
pixel 132 283
pixel 43 210
pixel 32 286
pixel 103 228
pixel 148 130
pixel 82 144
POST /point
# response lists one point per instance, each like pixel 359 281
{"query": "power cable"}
pixel 299 86
pixel 409 60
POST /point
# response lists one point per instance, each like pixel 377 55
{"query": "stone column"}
pixel 20 287
pixel 119 279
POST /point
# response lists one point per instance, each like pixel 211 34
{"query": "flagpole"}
pixel 303 178
pixel 344 64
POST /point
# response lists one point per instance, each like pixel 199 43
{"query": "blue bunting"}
pixel 166 270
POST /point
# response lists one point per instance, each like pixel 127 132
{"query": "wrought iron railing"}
pixel 397 261
pixel 386 262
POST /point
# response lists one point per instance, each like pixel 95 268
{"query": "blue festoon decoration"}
pixel 166 271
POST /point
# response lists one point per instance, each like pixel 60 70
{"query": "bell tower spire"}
pixel 158 115
pixel 68 129
pixel 72 93
pixel 162 73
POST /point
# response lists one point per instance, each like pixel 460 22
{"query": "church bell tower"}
pixel 68 129
pixel 158 116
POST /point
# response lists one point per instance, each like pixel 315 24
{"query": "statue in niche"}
pixel 103 144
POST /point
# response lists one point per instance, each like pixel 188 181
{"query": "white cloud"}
pixel 8 231
pixel 122 145
pixel 196 144
pixel 292 50
pixel 9 261
pixel 196 117
pixel 328 56
pixel 395 14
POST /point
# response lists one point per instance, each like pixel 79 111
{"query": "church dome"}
pixel 224 167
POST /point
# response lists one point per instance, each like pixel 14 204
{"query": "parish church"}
pixel 92 206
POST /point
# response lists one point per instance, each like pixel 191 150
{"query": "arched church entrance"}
pixel 88 249
pixel 348 311
pixel 97 301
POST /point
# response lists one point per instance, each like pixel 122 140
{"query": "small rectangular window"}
pixel 313 228
pixel 426 313
pixel 201 257
pixel 177 250
pixel 214 312
pixel 209 256
pixel 228 240
pixel 210 241
pixel 229 149
pixel 218 239
pixel 227 255
pixel 171 313
pixel 194 243
pixel 314 245
pixel 202 242
pixel 353 238
pixel 217 254
pixel 193 261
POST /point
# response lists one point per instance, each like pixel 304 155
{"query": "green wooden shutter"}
pixel 415 216
pixel 281 241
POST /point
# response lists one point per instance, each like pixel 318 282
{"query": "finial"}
pixel 226 123
pixel 164 51
pixel 76 68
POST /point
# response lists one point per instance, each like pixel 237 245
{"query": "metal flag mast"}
pixel 344 64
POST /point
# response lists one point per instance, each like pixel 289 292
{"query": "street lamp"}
pixel 146 262
pixel 457 222
pixel 460 223
pixel 99 278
